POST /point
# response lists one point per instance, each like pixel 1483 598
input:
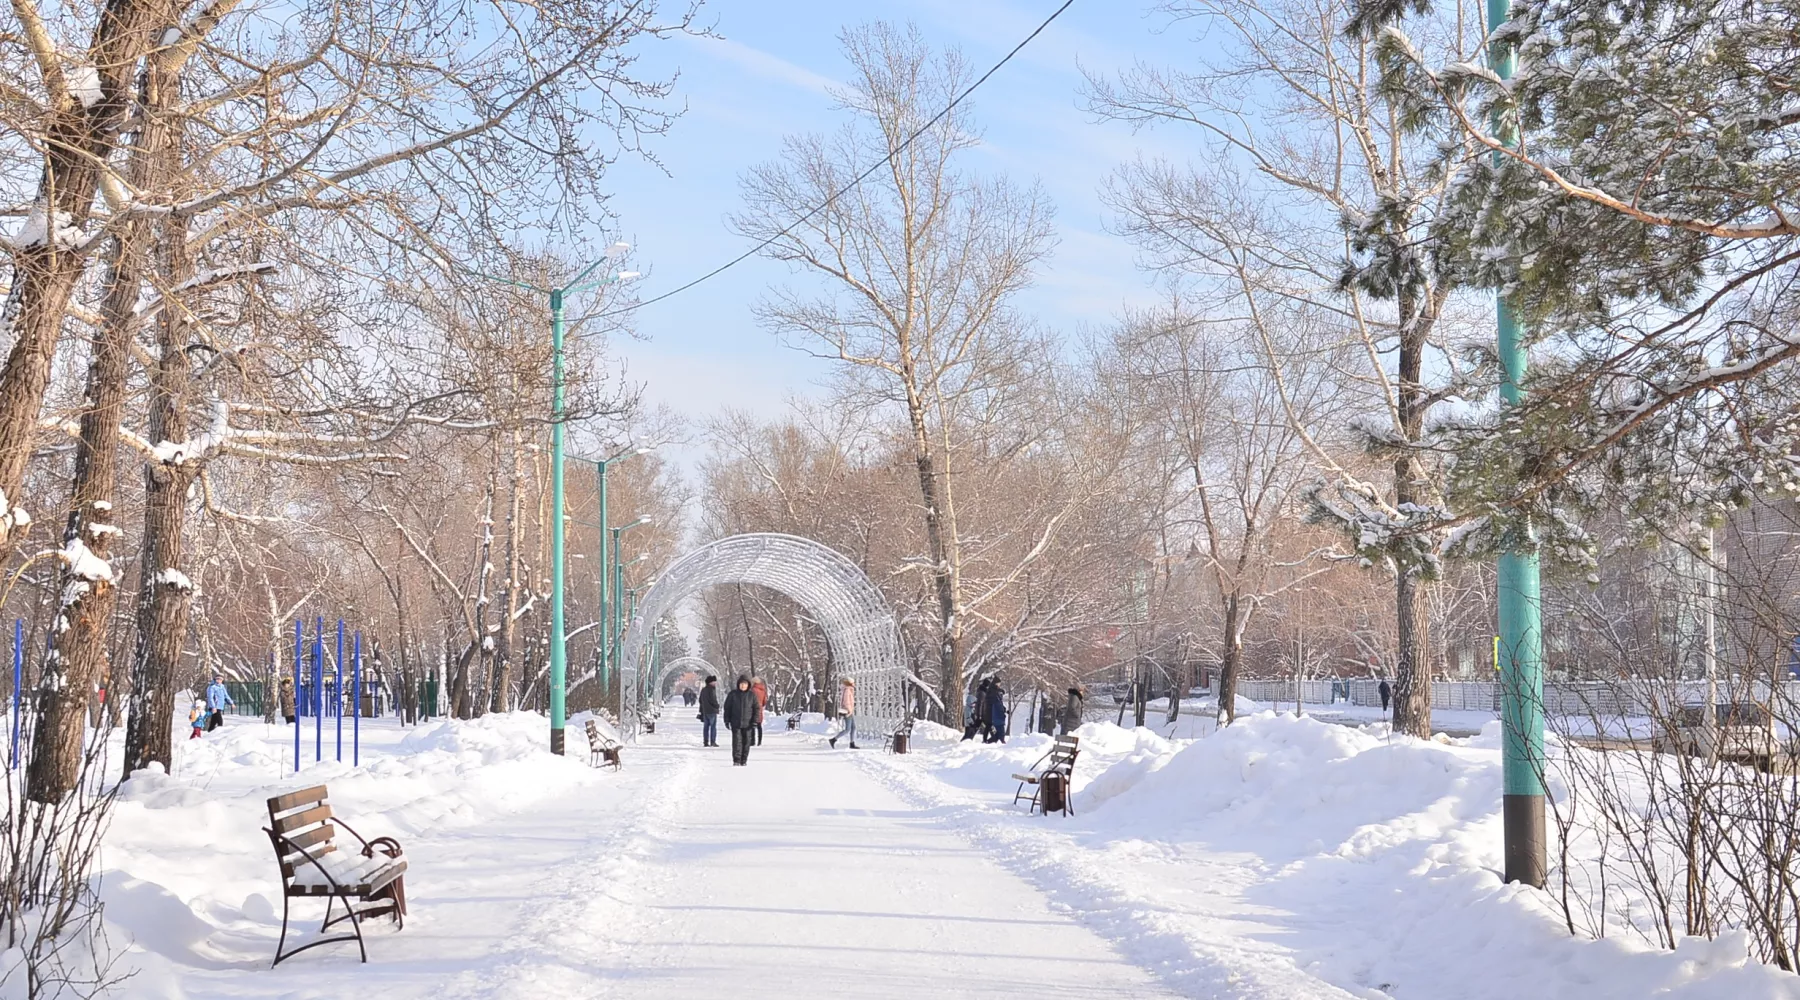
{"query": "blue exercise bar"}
pixel 299 689
pixel 337 690
pixel 356 703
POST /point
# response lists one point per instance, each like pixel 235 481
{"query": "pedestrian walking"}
pixel 1071 713
pixel 709 713
pixel 197 718
pixel 1385 692
pixel 978 711
pixel 847 705
pixel 996 717
pixel 216 700
pixel 286 696
pixel 761 690
pixel 740 717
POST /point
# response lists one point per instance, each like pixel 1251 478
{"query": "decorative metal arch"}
pixel 663 671
pixel 858 624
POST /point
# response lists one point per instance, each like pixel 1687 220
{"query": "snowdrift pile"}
pixel 188 878
pixel 1295 858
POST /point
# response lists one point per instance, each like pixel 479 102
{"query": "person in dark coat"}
pixel 996 714
pixel 1071 713
pixel 709 713
pixel 740 718
pixel 1385 692
pixel 978 712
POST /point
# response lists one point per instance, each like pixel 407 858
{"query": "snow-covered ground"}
pixel 1281 858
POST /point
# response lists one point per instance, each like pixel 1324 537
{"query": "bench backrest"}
pixel 303 818
pixel 1063 754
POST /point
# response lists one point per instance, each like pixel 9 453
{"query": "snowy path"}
pixel 682 876
pixel 803 872
pixel 1279 860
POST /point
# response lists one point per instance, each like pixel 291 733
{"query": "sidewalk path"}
pixel 803 873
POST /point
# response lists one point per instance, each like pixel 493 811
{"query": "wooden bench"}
pixel 602 748
pixel 367 878
pixel 1060 761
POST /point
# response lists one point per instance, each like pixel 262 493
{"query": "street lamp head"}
pixel 617 250
pixel 626 275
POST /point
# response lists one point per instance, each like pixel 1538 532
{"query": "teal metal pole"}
pixel 558 646
pixel 1521 631
pixel 618 603
pixel 601 615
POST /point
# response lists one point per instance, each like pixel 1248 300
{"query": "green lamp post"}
pixel 559 652
pixel 1520 657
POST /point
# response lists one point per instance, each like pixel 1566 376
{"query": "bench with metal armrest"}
pixel 1049 778
pixel 367 878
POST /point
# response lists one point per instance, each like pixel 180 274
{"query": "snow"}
pixel 35 230
pixel 83 563
pixel 1277 859
pixel 171 577
pixel 84 85
pixel 11 518
pixel 217 432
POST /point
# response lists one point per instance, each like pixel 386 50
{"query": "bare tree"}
pixel 1319 200
pixel 918 265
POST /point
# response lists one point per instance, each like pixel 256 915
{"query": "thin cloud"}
pixel 764 64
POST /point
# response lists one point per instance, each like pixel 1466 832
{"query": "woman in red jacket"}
pixel 761 691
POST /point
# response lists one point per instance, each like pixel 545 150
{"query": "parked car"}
pixel 1744 732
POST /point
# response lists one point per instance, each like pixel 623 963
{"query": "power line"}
pixel 858 179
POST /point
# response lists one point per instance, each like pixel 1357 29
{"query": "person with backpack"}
pixel 978 711
pixel 847 705
pixel 761 690
pixel 709 713
pixel 741 713
pixel 996 713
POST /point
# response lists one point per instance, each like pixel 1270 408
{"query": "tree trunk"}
pixel 76 140
pixel 503 653
pixel 1228 662
pixel 950 652
pixel 1412 674
pixel 89 592
pixel 162 609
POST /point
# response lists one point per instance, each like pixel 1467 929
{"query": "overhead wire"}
pixel 846 188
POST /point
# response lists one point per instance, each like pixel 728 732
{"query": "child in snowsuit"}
pixel 197 718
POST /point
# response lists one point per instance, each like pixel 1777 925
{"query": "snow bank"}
pixel 1296 858
pixel 188 876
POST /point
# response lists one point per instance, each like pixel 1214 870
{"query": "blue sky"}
pixel 768 76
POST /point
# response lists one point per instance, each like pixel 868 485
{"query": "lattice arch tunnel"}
pixel 857 621
pixel 662 672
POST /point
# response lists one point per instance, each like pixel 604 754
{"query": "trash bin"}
pixel 1053 793
pixel 900 742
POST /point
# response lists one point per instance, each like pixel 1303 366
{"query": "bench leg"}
pixel 282 955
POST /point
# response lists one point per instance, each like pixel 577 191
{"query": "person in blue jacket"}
pixel 996 713
pixel 216 700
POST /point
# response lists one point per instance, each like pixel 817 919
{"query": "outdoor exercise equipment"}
pixel 309 699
